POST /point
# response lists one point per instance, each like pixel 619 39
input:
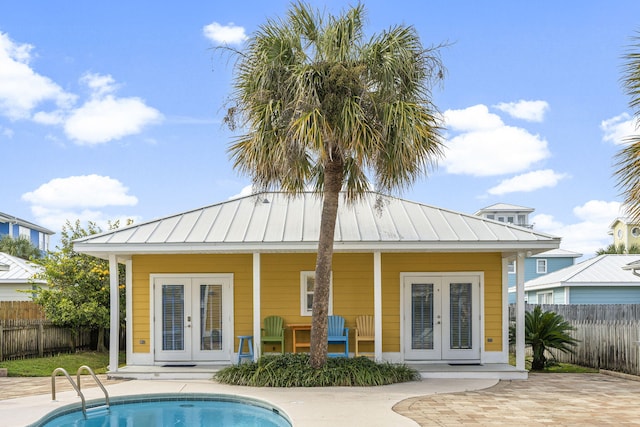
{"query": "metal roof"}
pixel 15 220
pixel 558 253
pixel 278 222
pixel 602 270
pixel 16 270
pixel 504 207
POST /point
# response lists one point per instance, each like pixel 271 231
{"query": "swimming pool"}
pixel 154 410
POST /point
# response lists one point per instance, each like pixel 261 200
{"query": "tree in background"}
pixel 620 249
pixel 20 247
pixel 325 108
pixel 628 158
pixel 77 296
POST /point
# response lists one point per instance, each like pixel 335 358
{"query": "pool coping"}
pixel 161 397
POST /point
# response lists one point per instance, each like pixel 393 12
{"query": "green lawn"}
pixel 558 368
pixel 44 366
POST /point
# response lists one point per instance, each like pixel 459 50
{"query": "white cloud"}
pixel 589 233
pixel 618 128
pixel 74 197
pixel 487 146
pixel 6 132
pixel 109 118
pixel 21 88
pixel 225 34
pixel 527 182
pixel 474 118
pixel 99 85
pixel 247 190
pixel 86 191
pixel 532 111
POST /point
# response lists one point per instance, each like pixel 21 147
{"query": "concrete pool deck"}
pixel 306 407
pixel 544 399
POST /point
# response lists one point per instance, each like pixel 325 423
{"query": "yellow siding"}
pixel 352 288
pixel 394 264
pixel 144 265
pixel 280 287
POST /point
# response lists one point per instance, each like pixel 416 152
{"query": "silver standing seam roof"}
pixel 17 270
pixel 279 222
pixel 601 270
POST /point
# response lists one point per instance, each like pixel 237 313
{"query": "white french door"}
pixel 441 317
pixel 193 318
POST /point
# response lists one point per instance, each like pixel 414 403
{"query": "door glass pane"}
pixel 172 317
pixel 422 316
pixel 460 316
pixel 211 317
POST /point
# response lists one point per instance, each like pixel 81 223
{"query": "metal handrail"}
pixel 90 371
pixel 75 387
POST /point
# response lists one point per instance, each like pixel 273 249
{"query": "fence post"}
pixel 40 339
pixel 1 342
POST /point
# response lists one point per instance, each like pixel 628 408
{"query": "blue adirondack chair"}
pixel 338 334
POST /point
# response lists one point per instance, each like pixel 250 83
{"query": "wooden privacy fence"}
pixel 24 310
pixel 35 338
pixel 608 334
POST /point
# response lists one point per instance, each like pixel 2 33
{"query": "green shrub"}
pixel 293 370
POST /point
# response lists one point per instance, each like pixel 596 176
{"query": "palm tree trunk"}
pixel 333 174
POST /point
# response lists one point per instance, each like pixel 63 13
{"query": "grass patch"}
pixel 555 367
pixel 44 366
pixel 293 370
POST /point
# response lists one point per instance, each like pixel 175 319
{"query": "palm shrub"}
pixel 543 331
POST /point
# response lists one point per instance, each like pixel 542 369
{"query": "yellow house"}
pixel 625 232
pixel 434 280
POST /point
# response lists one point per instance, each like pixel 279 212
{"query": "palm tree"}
pixel 628 158
pixel 545 330
pixel 325 109
pixel 620 249
pixel 20 247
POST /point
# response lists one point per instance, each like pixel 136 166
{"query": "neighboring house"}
pixel 539 265
pixel 16 227
pixel 504 212
pixel 599 280
pixel 535 265
pixel 16 275
pixel 434 280
pixel 625 232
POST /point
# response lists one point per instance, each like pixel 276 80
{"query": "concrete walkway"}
pixel 544 399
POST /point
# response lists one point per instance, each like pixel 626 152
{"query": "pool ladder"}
pixel 77 387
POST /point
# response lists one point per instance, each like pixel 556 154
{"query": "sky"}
pixel 113 110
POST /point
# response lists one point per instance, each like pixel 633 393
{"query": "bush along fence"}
pixel 609 335
pixel 20 339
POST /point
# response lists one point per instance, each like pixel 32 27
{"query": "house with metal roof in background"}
pixel 16 276
pixel 535 265
pixel 604 279
pixel 16 227
pixel 434 280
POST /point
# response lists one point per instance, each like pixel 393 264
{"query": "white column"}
pixel 256 306
pixel 114 333
pixel 377 305
pixel 128 282
pixel 520 311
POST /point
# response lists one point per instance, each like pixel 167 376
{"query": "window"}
pixel 307 283
pixel 545 297
pixel 511 267
pixel 541 266
pixel 522 220
pixel 635 231
pixel 491 216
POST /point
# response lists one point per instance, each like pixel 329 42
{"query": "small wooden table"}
pixel 294 332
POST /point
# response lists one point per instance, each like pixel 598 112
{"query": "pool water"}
pixel 173 410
